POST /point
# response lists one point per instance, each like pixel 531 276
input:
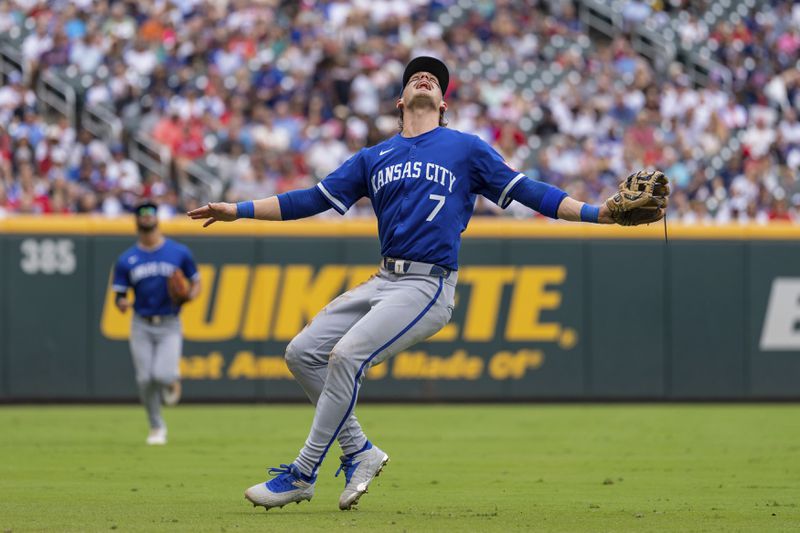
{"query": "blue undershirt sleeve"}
pixel 539 196
pixel 302 203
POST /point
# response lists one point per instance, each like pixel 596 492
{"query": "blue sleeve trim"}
pixel 302 203
pixel 539 196
pixel 245 210
pixel 590 213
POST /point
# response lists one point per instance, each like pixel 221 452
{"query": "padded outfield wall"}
pixel 543 311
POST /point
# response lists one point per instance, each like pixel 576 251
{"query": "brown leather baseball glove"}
pixel 178 287
pixel 642 199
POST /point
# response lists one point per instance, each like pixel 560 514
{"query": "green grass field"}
pixel 454 468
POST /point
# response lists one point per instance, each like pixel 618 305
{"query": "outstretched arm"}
pixel 554 203
pixel 642 199
pixel 264 209
pixel 575 211
pixel 287 206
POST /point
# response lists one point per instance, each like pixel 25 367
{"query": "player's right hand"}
pixel 216 211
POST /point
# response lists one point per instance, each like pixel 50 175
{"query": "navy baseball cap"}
pixel 428 64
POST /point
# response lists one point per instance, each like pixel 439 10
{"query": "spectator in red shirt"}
pixel 189 143
pixel 779 211
pixel 168 130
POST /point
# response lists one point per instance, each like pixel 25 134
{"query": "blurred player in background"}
pixel 423 184
pixel 157 269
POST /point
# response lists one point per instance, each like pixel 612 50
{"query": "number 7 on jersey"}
pixel 440 203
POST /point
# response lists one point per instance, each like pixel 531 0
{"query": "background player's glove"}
pixel 642 199
pixel 178 287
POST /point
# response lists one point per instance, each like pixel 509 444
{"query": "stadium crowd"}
pixel 274 95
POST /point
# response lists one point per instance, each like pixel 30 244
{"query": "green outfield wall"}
pixel 543 311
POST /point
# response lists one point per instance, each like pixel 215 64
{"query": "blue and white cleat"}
pixel 360 469
pixel 289 485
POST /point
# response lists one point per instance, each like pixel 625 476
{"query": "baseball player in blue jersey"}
pixel 422 184
pixel 155 338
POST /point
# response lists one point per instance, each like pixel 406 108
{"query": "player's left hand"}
pixel 642 199
pixel 215 211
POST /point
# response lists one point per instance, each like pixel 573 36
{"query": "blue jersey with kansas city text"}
pixel 422 190
pixel 147 271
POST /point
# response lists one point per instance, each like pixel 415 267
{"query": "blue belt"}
pixel 402 266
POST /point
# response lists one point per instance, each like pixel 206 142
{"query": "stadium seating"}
pixel 201 101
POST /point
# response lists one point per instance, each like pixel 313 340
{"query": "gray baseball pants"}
pixel 361 328
pixel 156 351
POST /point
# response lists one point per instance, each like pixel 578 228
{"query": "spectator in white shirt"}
pixel 121 171
pixel 120 25
pixel 88 53
pixel 759 138
pixel 328 153
pixel 141 59
pixel 36 44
